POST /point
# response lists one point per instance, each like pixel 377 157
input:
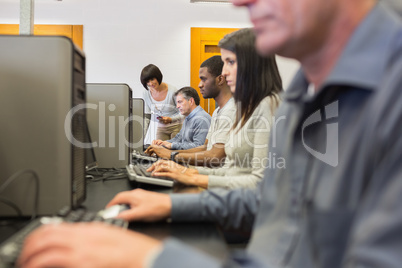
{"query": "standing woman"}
pixel 163 118
pixel 256 84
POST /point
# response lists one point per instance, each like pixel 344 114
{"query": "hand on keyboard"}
pixel 143 157
pixel 144 205
pixel 182 174
pixel 160 151
pixel 138 173
pixel 113 211
pixel 93 245
pixel 10 249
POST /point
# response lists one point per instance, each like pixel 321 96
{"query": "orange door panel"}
pixel 204 44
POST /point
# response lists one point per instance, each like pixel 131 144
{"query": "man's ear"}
pixel 220 80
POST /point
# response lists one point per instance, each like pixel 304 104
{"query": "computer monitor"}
pixel 109 117
pixel 42 85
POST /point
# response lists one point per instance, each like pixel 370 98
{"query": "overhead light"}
pixel 209 1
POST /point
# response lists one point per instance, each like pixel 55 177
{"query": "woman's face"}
pixel 152 83
pixel 229 70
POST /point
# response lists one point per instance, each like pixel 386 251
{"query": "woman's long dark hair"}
pixel 257 76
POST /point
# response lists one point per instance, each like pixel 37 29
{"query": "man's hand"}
pixel 165 144
pixel 157 142
pixel 144 205
pixel 160 151
pixel 93 245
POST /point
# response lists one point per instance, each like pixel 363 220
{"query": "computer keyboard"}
pixel 142 169
pixel 143 157
pixel 137 173
pixel 11 248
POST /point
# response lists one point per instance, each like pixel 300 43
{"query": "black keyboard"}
pixel 11 248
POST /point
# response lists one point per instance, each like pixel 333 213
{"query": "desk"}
pixel 99 193
pixel 204 236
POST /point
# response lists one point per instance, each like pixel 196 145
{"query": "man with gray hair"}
pixel 212 85
pixel 195 126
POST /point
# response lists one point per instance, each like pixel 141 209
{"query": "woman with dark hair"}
pixel 162 116
pixel 256 84
pixel 251 77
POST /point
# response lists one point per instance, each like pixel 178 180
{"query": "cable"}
pixel 12 205
pixel 103 174
pixel 15 176
pixel 95 170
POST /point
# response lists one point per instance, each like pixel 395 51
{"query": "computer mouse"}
pixel 113 211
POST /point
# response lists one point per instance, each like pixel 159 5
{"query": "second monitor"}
pixel 111 123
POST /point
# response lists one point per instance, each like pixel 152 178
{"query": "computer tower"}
pixel 109 117
pixel 42 78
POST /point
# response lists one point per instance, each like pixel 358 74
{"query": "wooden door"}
pixel 74 32
pixel 204 44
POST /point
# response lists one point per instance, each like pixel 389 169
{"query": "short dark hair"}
pixel 188 93
pixel 150 72
pixel 214 65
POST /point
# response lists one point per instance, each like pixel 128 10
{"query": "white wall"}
pixel 122 36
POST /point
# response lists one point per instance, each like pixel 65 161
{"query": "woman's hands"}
pixel 170 169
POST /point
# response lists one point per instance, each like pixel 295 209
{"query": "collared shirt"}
pixel 338 201
pixel 194 130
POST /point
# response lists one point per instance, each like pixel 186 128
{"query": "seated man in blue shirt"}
pixel 212 153
pixel 195 126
